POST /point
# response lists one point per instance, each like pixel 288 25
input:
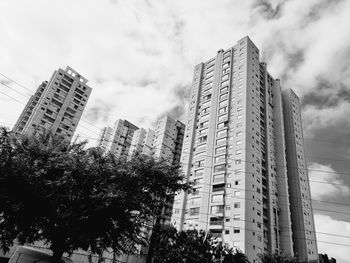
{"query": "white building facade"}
pixel 57 105
pixel 235 151
pixel 117 140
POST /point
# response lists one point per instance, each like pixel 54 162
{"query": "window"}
pixel 237 205
pixel 239 142
pixel 217 209
pixel 222 110
pixel 226 65
pixel 238 133
pixel 219 168
pixel 218 178
pixel 236 193
pixel 225 83
pixel 202 139
pixel 221 141
pixel 198 173
pixel 198 181
pixel 221 149
pixel 236 230
pixel 204 124
pixel 222 118
pixel 199 163
pixel 238 161
pixel 225 77
pixel 217 198
pixel 236 217
pixel 201 132
pixel 224 96
pixel 238 171
pixel 223 90
pixel 200 148
pixel 221 133
pixel 220 159
pixel 194 211
pixel 238 152
pixel 195 201
pixel 222 125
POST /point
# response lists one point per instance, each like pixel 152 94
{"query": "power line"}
pixel 332 142
pixel 246 190
pixel 262 232
pixel 242 160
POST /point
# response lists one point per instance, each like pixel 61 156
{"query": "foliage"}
pixel 277 258
pixel 194 246
pixel 71 197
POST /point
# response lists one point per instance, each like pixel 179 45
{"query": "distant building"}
pixel 142 142
pixel 117 140
pixel 57 105
pixel 324 259
pixel 244 151
pixel 169 136
pixel 163 143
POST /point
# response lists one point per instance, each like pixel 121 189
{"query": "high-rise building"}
pixel 303 227
pixel 163 143
pixel 57 105
pixel 117 140
pixel 169 135
pixel 240 152
pixel 142 142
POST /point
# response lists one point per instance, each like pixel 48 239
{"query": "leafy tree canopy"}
pixel 194 246
pixel 278 258
pixel 71 197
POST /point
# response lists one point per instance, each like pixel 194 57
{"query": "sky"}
pixel 138 56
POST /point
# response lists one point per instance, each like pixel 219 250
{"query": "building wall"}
pixel 168 139
pixel 105 138
pixel 142 141
pixel 303 227
pixel 234 151
pixel 57 105
pixel 118 139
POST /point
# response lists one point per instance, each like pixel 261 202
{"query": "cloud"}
pixel 137 53
pixel 317 31
pixel 324 173
pixel 317 118
pixel 333 245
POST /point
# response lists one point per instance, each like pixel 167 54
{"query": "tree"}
pixel 194 246
pixel 71 197
pixel 277 258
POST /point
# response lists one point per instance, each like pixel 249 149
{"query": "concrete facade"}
pixel 57 105
pixel 303 227
pixel 117 140
pixel 235 152
pixel 142 142
pixel 169 135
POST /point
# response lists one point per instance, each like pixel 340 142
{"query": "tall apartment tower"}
pixel 118 139
pixel 303 227
pixel 142 141
pixel 237 153
pixel 57 105
pixel 169 136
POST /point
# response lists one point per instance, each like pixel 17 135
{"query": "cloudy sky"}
pixel 138 56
